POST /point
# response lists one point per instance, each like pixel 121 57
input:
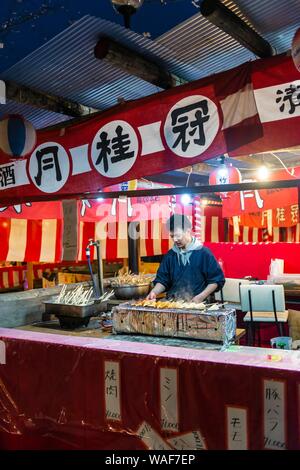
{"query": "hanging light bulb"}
pixel 186 199
pixel 263 173
pixel 127 8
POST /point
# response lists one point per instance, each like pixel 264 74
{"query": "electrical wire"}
pixel 284 166
pixel 188 178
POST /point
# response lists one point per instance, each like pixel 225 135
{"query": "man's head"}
pixel 180 229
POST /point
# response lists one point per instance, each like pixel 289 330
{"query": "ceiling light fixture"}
pixel 127 8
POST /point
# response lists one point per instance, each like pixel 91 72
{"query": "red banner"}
pixel 280 217
pixel 256 202
pixel 33 211
pixel 254 107
pixel 130 209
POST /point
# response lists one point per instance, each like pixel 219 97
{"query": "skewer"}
pixel 79 296
pixel 108 295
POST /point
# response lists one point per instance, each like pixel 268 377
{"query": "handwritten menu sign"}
pixel 151 439
pixel 274 414
pixel 112 390
pixel 189 441
pixel 168 399
pixel 237 436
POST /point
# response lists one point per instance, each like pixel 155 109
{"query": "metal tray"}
pixel 65 310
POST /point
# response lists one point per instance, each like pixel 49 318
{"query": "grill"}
pixel 210 325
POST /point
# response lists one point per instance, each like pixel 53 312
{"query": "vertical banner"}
pixel 169 399
pixel 151 439
pixel 70 233
pixel 112 390
pixel 189 441
pixel 237 428
pixel 274 414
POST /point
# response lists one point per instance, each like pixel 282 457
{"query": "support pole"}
pixel 226 230
pixel 133 247
pixel 30 275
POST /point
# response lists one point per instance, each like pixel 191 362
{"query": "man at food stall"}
pixel 189 270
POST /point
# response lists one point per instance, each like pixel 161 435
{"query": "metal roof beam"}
pixel 134 63
pixel 203 189
pixel 222 17
pixel 25 95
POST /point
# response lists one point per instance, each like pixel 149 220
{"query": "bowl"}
pixel 127 292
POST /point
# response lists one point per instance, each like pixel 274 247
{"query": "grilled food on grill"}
pixel 161 304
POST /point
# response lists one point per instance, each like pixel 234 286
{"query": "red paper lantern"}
pixel 225 174
pixel 296 49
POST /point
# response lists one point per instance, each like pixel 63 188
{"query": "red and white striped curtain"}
pixel 31 240
pixel 154 239
pixel 40 240
pixel 31 232
pixel 113 239
pixel 12 276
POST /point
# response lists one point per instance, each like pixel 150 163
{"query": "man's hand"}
pixel 157 289
pixel 198 298
pixel 151 295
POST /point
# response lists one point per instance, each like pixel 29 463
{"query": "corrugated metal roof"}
pixel 203 45
pixel 275 20
pixel 38 117
pixel 66 65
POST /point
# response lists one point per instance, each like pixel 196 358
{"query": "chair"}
pixel 263 304
pixel 231 290
pixel 230 293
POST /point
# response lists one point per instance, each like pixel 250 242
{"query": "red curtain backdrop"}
pixel 253 259
pixel 54 392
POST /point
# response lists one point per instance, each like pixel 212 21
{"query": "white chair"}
pixel 231 290
pixel 264 304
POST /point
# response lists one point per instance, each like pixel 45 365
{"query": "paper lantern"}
pixel 17 136
pixel 225 174
pixel 296 49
